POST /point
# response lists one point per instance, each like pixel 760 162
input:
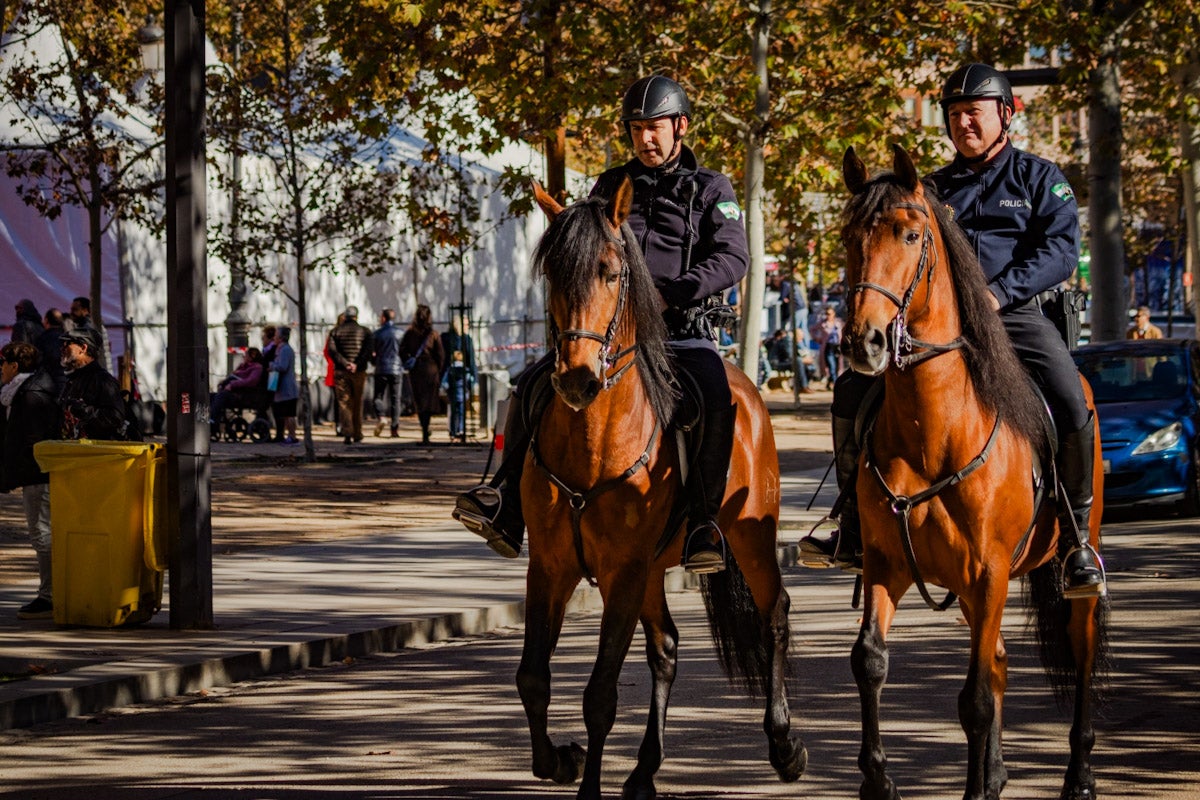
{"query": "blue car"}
pixel 1146 397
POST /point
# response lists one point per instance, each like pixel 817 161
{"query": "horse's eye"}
pixel 911 237
pixel 612 277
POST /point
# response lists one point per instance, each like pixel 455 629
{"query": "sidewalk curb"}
pixel 95 688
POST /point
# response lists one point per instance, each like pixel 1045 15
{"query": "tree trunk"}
pixel 1109 296
pixel 755 284
pixel 1189 147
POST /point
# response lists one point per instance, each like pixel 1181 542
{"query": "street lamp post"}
pixel 189 520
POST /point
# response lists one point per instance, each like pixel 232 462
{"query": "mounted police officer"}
pixel 689 225
pixel 1020 214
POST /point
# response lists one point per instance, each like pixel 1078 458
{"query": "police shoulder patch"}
pixel 730 209
pixel 1063 191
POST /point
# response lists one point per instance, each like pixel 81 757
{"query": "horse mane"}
pixel 568 257
pixel 1001 382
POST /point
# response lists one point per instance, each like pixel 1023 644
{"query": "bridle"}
pixel 606 359
pixel 904 347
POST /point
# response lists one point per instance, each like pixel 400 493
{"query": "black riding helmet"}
pixel 978 82
pixel 653 97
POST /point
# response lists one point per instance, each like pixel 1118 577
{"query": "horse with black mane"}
pixel 602 478
pixel 951 480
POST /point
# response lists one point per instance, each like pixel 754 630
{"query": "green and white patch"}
pixel 730 209
pixel 1063 191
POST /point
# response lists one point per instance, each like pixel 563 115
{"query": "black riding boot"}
pixel 494 510
pixel 1083 572
pixel 842 548
pixel 704 547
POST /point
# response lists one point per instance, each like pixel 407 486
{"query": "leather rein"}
pixel 580 500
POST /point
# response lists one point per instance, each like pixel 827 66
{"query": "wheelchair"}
pixel 234 427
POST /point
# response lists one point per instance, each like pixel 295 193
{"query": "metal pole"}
pixel 189 521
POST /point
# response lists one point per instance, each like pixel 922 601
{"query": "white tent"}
pixel 46 261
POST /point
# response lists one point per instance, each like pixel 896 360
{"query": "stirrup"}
pixel 709 557
pixel 812 549
pixel 1087 590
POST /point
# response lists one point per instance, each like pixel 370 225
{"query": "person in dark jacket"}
pixel 689 224
pixel 49 344
pixel 1020 214
pixel 389 374
pixel 91 401
pixel 29 401
pixel 28 325
pixel 350 350
pixel 421 353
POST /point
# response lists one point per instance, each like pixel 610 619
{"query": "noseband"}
pixel 904 346
pixel 606 360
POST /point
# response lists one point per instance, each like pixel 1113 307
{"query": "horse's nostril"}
pixel 592 390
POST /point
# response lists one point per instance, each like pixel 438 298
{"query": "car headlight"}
pixel 1161 439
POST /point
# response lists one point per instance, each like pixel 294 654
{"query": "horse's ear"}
pixel 903 166
pixel 547 203
pixel 620 203
pixel 854 171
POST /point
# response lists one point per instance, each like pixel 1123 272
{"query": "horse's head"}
pixel 891 255
pixel 584 258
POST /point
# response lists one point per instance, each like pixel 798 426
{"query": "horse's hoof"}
pixel 642 791
pixel 1078 793
pixel 886 792
pixel 790 763
pixel 570 763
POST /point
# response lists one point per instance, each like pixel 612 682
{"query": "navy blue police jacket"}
pixel 688 205
pixel 1021 217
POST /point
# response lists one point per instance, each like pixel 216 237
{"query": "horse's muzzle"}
pixel 577 386
pixel 870 349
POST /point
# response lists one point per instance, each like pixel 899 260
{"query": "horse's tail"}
pixel 743 638
pixel 1049 614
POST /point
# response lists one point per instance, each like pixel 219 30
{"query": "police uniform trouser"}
pixel 700 359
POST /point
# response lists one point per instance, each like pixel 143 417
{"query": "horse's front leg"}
pixel 662 641
pixel 869 662
pixel 1084 631
pixel 623 591
pixel 981 700
pixel 546 597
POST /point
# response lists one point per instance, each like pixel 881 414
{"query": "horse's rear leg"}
pixel 788 755
pixel 869 662
pixel 545 604
pixel 1085 633
pixel 662 639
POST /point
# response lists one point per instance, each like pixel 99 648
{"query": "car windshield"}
pixel 1125 377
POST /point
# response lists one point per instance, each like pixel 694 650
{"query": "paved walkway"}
pixel 392 584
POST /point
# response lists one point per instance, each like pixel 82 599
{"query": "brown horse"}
pixel 600 483
pixel 946 482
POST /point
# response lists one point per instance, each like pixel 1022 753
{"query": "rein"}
pixel 902 506
pixel 904 346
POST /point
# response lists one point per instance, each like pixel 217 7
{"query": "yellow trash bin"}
pixel 107 548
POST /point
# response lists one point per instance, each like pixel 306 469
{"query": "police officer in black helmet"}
pixel 689 225
pixel 1020 214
